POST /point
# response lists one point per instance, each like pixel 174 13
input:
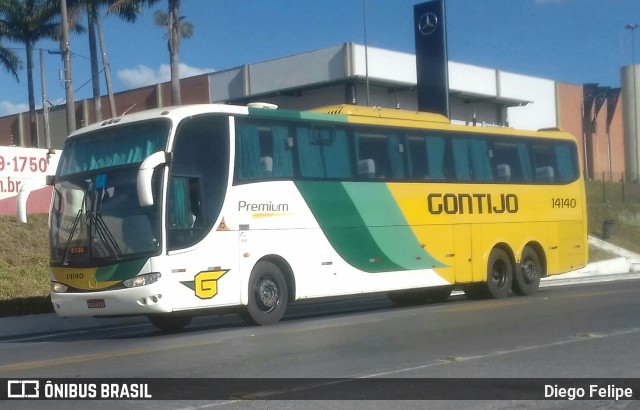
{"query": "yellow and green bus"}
pixel 180 211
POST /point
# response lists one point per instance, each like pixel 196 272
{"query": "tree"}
pixel 177 28
pixel 92 7
pixel 127 10
pixel 27 22
pixel 9 60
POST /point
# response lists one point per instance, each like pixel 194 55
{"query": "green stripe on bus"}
pixel 388 226
pixel 365 226
pixel 343 226
pixel 119 271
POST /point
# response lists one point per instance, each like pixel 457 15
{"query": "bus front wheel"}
pixel 528 273
pixel 268 295
pixel 499 274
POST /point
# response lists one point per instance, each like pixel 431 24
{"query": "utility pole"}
pixel 107 69
pixel 45 108
pixel 366 51
pixel 66 56
pixel 632 27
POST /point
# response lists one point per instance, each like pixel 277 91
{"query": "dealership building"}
pixel 352 74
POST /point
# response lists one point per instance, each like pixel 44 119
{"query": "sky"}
pixel 571 41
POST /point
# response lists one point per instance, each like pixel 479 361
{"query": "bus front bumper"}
pixel 142 300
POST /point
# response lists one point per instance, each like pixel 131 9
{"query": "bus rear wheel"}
pixel 170 322
pixel 499 274
pixel 268 295
pixel 528 273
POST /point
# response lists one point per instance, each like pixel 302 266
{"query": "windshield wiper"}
pixel 105 235
pixel 73 231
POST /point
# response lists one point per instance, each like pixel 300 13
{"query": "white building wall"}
pixel 392 78
pixel 385 65
pixel 540 112
pixel 472 79
pixel 320 66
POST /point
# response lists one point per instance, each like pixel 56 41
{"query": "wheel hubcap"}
pixel 499 274
pixel 267 294
pixel 529 272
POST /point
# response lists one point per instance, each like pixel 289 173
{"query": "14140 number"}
pixel 563 202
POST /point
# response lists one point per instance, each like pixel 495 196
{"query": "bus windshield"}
pixel 97 219
pixel 128 144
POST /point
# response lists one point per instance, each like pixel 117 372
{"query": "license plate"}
pixel 96 303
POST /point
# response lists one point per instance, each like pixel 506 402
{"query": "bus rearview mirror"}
pixel 145 176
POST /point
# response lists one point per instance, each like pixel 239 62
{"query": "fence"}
pixel 613 189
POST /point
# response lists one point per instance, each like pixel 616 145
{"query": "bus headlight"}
pixel 142 280
pixel 58 287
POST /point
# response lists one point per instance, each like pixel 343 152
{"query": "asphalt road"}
pixel 574 331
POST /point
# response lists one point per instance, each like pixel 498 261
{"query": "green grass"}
pixel 24 273
pixel 610 201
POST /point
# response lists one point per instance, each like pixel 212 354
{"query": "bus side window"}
pixel 380 156
pixel 263 152
pixel 439 158
pixel 417 166
pixel 461 163
pixel 555 162
pixel 248 153
pixel 323 152
pixel 183 203
pixel 281 152
pixel 544 162
pixel 566 161
pixel 396 152
pixel 184 208
pixel 510 161
pixel 479 155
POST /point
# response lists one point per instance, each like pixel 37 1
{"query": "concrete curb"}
pixel 632 258
pixel 613 269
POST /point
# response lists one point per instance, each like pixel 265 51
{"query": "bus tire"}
pixel 499 274
pixel 170 322
pixel 528 273
pixel 268 295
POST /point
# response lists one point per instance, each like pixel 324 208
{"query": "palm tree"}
pixel 92 7
pixel 128 10
pixel 27 22
pixel 178 28
pixel 9 60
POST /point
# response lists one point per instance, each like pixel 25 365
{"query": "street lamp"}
pixel 632 27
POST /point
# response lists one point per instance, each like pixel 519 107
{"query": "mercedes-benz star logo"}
pixel 428 23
